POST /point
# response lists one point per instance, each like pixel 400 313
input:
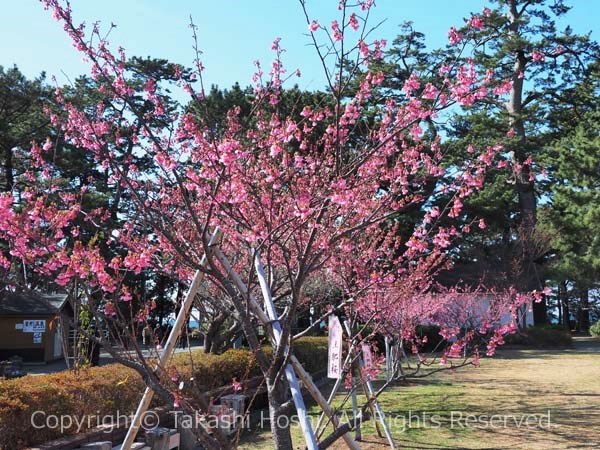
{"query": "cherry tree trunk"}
pixel 279 412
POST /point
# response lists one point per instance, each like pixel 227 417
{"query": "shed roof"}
pixel 30 303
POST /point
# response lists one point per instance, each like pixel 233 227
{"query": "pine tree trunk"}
pixel 559 307
pixel 584 311
pixel 564 300
pixel 211 338
pixel 522 172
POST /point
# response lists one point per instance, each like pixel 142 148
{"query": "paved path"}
pixel 586 344
pixel 105 358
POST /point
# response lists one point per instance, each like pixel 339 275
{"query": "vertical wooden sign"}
pixel 334 360
pixel 367 356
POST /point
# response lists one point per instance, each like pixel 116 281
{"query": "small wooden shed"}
pixel 30 325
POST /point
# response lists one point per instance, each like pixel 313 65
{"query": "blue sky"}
pixel 232 33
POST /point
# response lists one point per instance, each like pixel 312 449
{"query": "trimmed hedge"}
pixel 97 391
pixel 312 353
pixel 542 337
pixel 102 391
pixel 213 371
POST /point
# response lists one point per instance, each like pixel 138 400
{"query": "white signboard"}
pixel 18 326
pixel 367 356
pixel 37 337
pixel 334 366
pixel 34 326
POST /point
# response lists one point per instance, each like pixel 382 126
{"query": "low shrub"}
pixel 312 353
pixel 92 393
pixel 212 371
pixel 542 337
pixel 595 329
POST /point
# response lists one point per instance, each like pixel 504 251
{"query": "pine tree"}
pixel 572 214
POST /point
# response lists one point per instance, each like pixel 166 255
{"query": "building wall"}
pixel 15 341
pixel 525 315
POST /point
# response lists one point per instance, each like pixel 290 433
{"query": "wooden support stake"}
pixel 371 393
pixel 169 346
pixel 322 402
pixel 355 413
pixel 371 405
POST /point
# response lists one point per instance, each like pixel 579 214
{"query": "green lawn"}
pixel 555 395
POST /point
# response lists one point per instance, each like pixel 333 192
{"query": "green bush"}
pixel 595 329
pixel 548 336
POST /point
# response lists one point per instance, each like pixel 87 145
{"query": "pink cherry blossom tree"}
pixel 317 194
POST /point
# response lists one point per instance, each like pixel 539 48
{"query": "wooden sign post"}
pixel 367 386
pixel 388 359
